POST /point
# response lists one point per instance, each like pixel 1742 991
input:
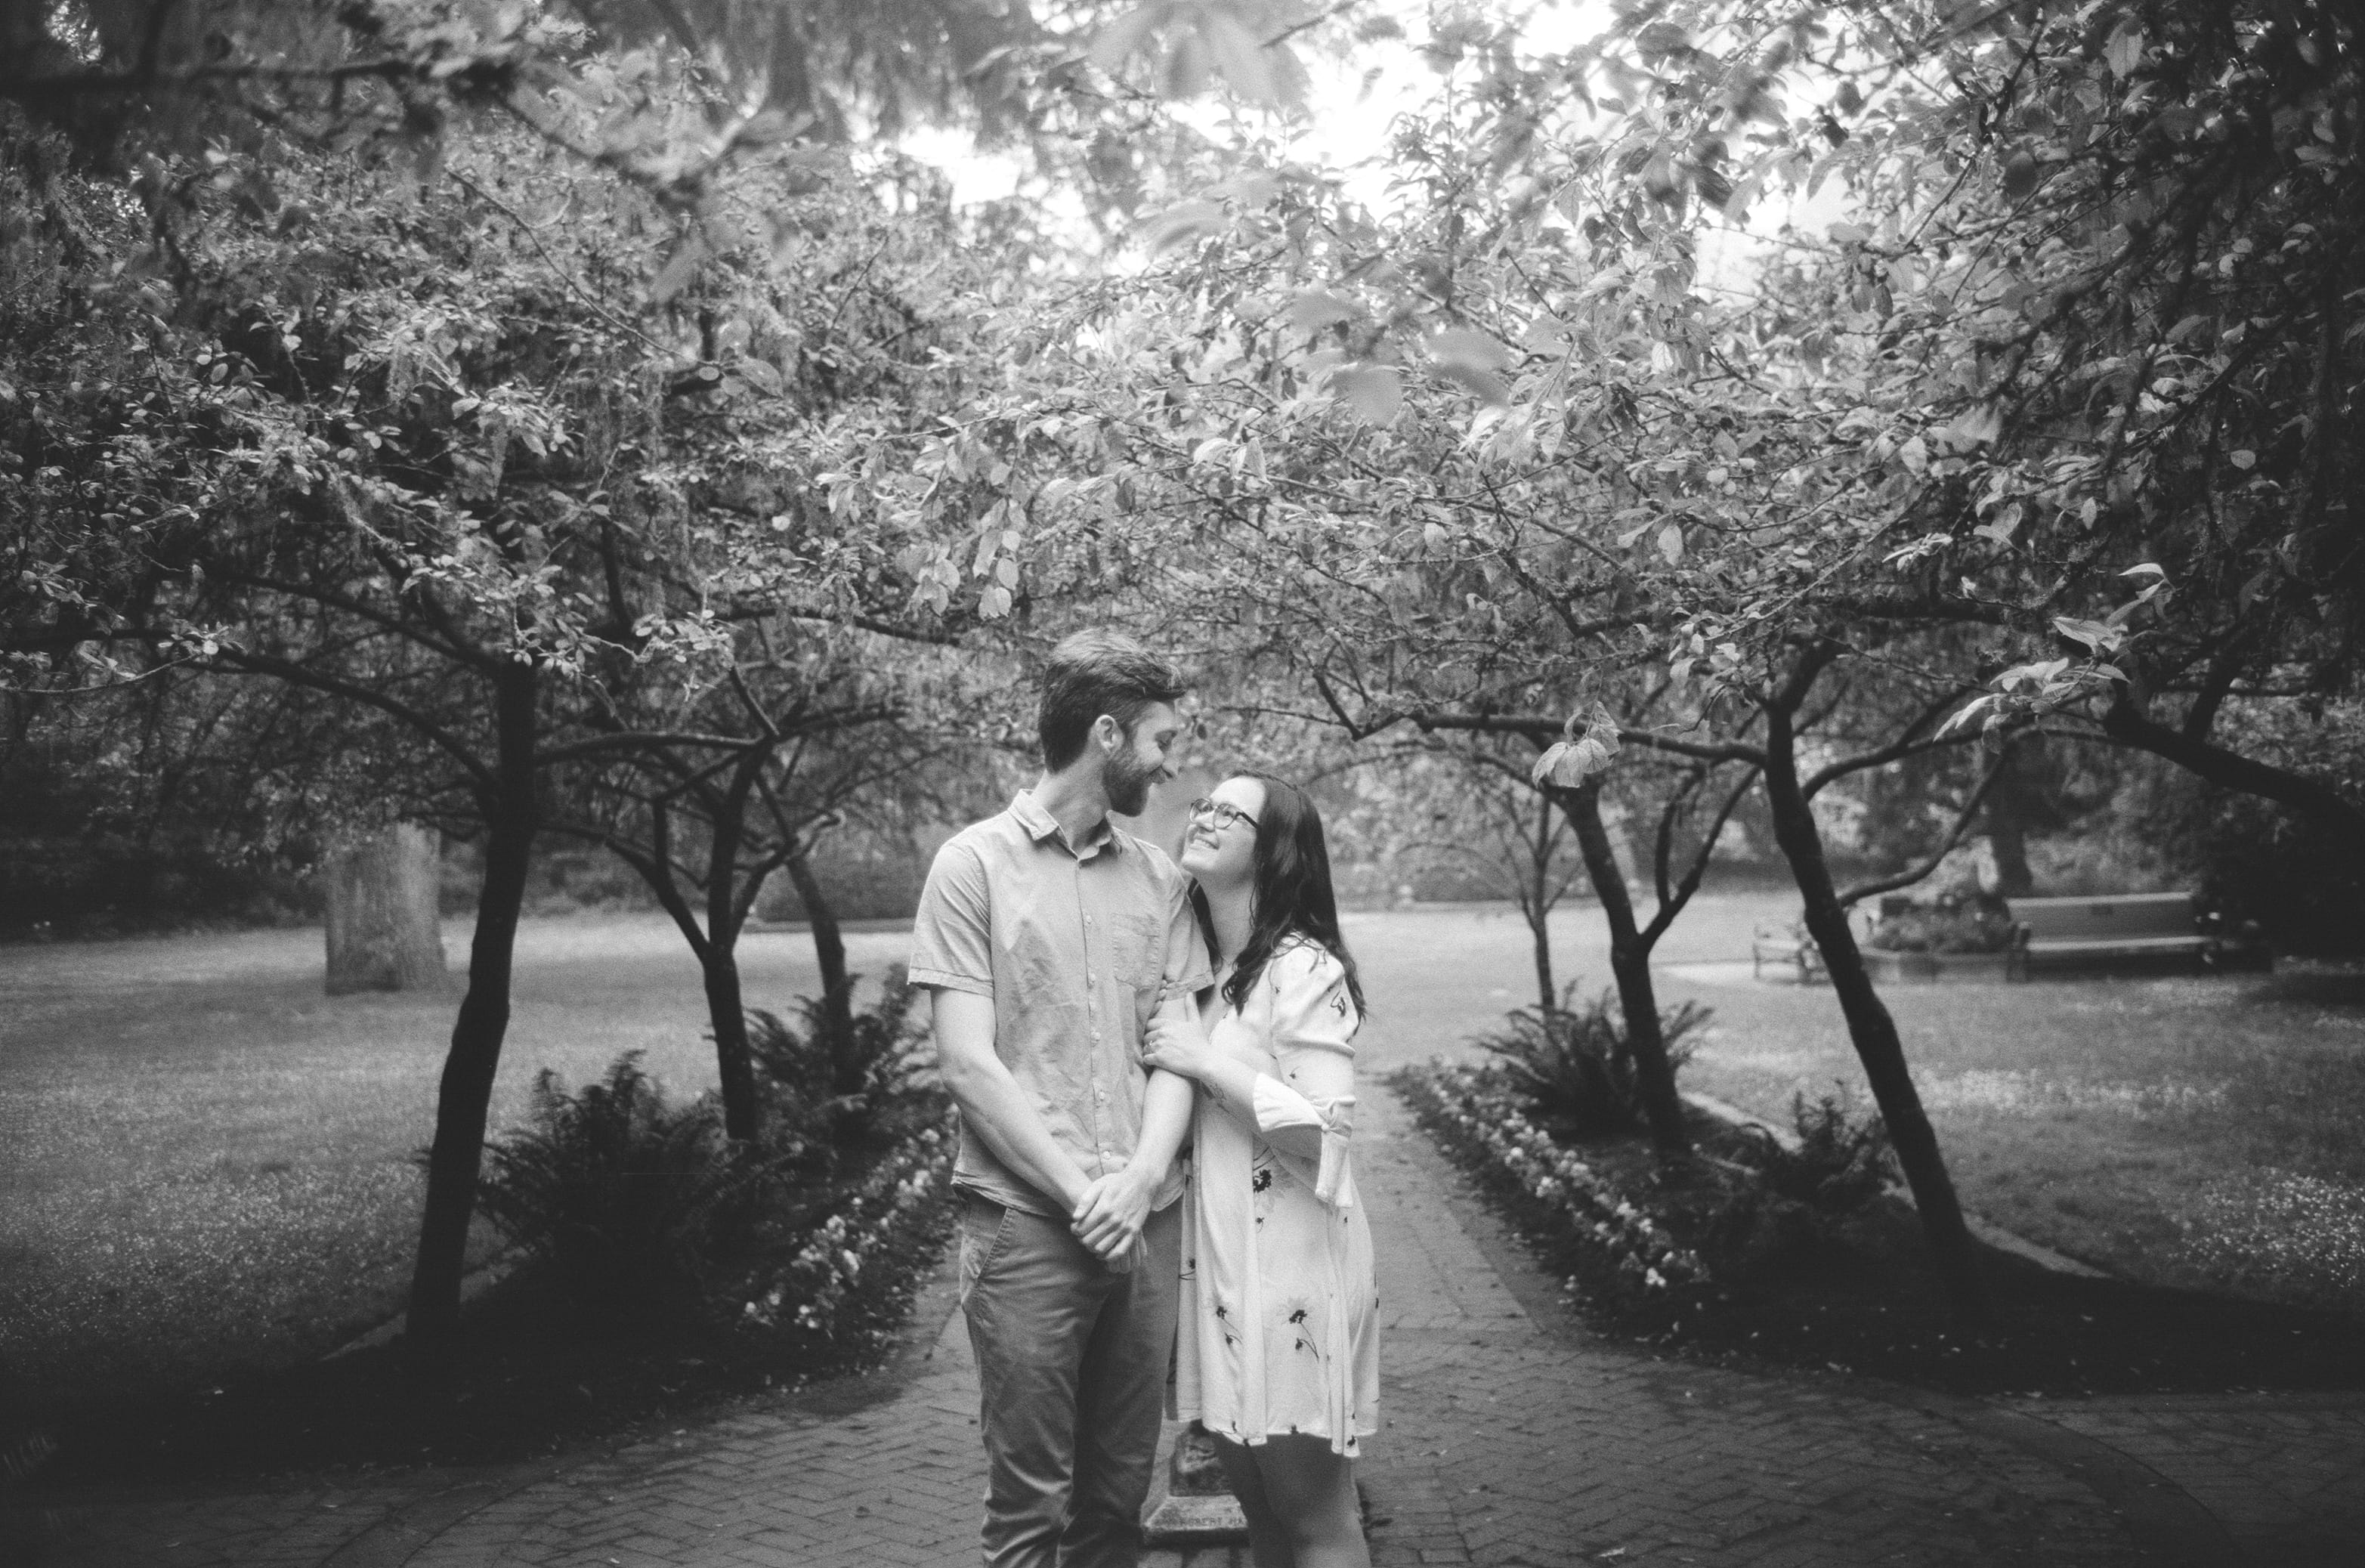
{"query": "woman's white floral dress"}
pixel 1279 1315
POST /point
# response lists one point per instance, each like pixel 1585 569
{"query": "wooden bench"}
pixel 1788 946
pixel 2068 933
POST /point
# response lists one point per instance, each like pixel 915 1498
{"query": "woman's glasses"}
pixel 1225 813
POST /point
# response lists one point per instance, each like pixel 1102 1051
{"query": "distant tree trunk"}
pixel 1630 967
pixel 1538 902
pixel 727 906
pixel 383 926
pixel 1870 1027
pixel 2007 824
pixel 836 985
pixel 455 1160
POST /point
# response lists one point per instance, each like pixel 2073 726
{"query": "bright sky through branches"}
pixel 1353 102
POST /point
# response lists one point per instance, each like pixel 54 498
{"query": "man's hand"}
pixel 1109 1216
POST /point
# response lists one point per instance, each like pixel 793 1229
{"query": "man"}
pixel 1049 939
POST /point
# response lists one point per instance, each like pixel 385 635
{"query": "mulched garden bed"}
pixel 1675 1254
pixel 529 1374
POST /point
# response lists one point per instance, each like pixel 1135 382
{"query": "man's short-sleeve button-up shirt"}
pixel 1078 945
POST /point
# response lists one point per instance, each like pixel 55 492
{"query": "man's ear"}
pixel 1108 735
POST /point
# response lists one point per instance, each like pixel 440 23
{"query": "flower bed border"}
pixel 811 1303
pixel 1625 1261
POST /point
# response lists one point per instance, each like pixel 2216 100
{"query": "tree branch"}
pixel 1851 897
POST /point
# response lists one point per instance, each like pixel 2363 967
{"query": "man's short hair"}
pixel 1092 673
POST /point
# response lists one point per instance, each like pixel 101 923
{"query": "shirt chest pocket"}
pixel 1137 951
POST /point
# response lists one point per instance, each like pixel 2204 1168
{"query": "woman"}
pixel 1278 1353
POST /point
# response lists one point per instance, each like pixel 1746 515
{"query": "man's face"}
pixel 1140 760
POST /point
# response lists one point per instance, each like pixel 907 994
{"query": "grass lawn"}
pixel 2191 1130
pixel 207 1161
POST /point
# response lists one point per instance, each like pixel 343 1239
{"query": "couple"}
pixel 1096 1012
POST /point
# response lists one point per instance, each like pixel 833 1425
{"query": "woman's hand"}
pixel 1176 1046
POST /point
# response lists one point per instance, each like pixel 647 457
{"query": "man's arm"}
pixel 1115 1206
pixel 992 1104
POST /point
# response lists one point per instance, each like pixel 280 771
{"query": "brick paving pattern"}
pixel 1511 1438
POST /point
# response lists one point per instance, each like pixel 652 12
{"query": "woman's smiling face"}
pixel 1220 846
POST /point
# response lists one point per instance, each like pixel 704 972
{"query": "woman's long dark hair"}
pixel 1293 896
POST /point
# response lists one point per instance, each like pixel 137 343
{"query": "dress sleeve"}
pixel 1314 1024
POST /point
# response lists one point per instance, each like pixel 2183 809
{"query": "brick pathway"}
pixel 1512 1438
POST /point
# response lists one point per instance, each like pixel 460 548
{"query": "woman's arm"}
pixel 1233 1081
pixel 1305 1112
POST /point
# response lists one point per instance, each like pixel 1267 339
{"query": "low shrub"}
pixel 631 1204
pixel 804 1300
pixel 624 1200
pixel 1979 923
pixel 1841 1162
pixel 1635 1265
pixel 1573 1065
pixel 868 1085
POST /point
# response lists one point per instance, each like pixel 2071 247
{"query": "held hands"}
pixel 1109 1216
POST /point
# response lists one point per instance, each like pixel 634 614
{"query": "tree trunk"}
pixel 836 985
pixel 727 1010
pixel 1630 966
pixel 1540 902
pixel 1870 1028
pixel 2007 836
pixel 384 927
pixel 456 1158
pixel 743 1107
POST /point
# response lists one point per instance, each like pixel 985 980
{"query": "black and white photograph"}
pixel 1182 784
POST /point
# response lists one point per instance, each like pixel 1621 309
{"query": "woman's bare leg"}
pixel 1269 1538
pixel 1311 1492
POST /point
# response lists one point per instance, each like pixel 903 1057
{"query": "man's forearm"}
pixel 994 1106
pixel 1165 1121
pixel 1014 1132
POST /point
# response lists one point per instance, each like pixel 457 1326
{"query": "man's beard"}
pixel 1128 784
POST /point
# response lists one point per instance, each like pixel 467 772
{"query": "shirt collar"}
pixel 1041 825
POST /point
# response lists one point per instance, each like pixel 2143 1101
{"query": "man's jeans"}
pixel 1071 1366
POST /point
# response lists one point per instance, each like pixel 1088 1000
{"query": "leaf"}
pixel 1671 543
pixel 1460 346
pixel 1121 38
pixel 1488 385
pixel 1962 716
pixel 1566 764
pixel 1313 308
pixel 1180 225
pixel 2098 635
pixel 1187 65
pixel 2019 175
pixel 2244 459
pixel 1242 58
pixel 1373 391
pixel 2146 570
pixel 1849 233
pixel 1974 426
pixel 2124 50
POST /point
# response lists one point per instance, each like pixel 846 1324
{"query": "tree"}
pixel 404 456
pixel 385 919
